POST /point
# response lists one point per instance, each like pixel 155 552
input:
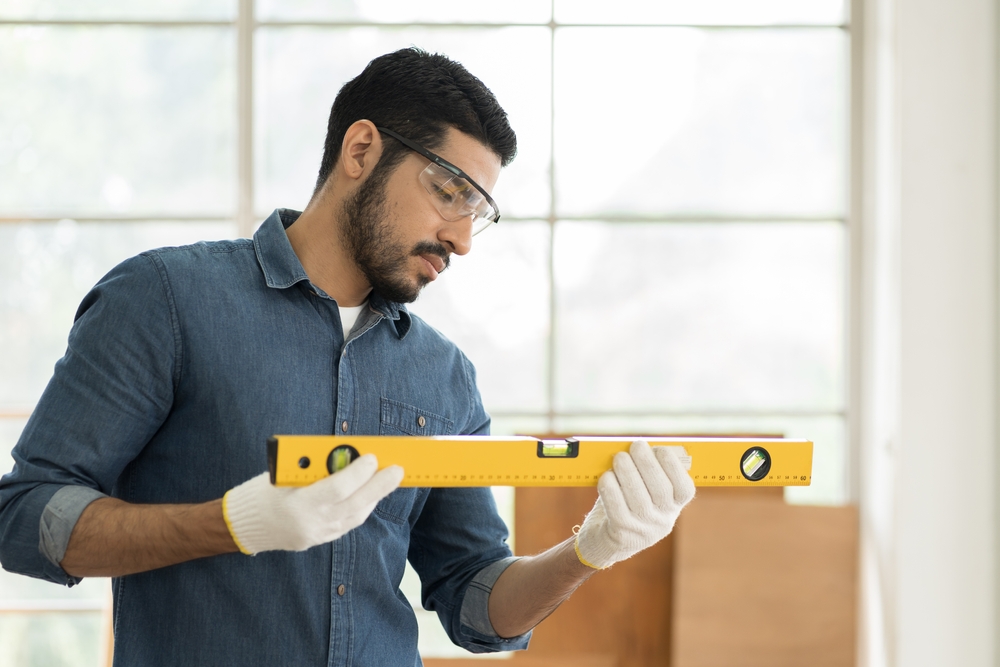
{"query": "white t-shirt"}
pixel 348 316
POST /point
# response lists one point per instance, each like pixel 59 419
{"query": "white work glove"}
pixel 639 500
pixel 264 517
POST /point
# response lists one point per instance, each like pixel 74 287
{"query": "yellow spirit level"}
pixel 298 460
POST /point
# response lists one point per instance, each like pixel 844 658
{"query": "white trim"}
pixel 929 467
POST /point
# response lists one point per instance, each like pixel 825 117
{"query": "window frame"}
pixel 246 25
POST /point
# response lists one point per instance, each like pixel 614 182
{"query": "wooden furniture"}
pixel 759 583
pixel 745 580
pixel 609 617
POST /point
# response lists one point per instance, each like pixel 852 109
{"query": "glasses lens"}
pixel 456 198
pixel 480 225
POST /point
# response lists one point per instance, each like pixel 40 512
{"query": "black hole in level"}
pixel 304 462
pixel 755 464
pixel 340 457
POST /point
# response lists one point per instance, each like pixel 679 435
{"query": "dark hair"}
pixel 418 95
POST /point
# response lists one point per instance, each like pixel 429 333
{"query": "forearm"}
pixel 113 538
pixel 532 588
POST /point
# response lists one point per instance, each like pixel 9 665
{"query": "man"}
pixel 144 458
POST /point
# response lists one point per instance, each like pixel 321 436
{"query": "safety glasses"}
pixel 455 195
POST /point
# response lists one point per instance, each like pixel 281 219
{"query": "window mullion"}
pixel 245 25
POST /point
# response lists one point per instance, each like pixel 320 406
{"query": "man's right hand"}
pixel 264 517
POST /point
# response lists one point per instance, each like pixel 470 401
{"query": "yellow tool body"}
pixel 440 461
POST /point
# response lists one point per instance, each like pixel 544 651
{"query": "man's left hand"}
pixel 639 500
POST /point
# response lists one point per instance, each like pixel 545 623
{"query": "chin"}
pixel 400 292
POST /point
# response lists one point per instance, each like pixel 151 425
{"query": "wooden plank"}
pixel 524 660
pixel 622 612
pixel 764 584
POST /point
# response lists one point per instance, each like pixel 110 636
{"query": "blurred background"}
pixel 703 232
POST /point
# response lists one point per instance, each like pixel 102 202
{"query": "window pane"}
pixel 51 640
pixel 117 9
pixel 828 434
pixel 92 593
pixel 117 120
pixel 402 11
pixel 45 270
pixel 519 424
pixel 699 316
pixel 300 71
pixel 713 12
pixel 686 121
pixel 10 431
pixel 494 304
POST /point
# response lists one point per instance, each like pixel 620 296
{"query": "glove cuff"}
pixel 244 508
pixel 594 547
pixel 576 546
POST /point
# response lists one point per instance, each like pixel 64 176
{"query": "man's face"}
pixel 397 237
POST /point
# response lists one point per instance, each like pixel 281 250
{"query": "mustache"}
pixel 428 248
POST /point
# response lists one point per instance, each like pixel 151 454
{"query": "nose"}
pixel 457 235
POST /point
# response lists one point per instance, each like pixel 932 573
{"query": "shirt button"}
pixel 421 422
pixel 343 426
pixel 341 589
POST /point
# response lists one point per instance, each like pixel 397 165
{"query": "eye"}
pixel 443 193
pixel 453 191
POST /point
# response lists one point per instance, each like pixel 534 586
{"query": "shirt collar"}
pixel 394 311
pixel 278 260
pixel 282 268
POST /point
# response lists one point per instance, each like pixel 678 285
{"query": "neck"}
pixel 315 238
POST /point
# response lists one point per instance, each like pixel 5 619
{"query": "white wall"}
pixel 929 353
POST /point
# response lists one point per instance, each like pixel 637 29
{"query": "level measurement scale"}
pixel 446 461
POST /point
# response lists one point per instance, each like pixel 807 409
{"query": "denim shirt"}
pixel 181 362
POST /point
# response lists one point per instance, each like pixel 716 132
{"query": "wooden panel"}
pixel 760 583
pixel 523 659
pixel 622 613
pixel 584 631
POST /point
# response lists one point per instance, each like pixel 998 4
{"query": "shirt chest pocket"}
pixel 401 419
pixel 396 418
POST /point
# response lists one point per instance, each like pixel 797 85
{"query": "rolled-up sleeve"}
pixel 458 547
pixel 475 614
pixel 108 395
pixel 59 518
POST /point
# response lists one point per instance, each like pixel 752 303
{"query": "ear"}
pixel 361 149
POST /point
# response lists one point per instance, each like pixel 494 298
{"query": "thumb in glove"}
pixel 264 517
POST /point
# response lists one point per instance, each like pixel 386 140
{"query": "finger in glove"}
pixel 344 483
pixel 610 494
pixel 654 477
pixel 679 477
pixel 632 485
pixel 375 489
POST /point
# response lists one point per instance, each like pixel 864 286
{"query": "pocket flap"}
pixel 399 418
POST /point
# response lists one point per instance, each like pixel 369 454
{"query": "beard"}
pixel 368 233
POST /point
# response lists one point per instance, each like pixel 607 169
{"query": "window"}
pixel 673 255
